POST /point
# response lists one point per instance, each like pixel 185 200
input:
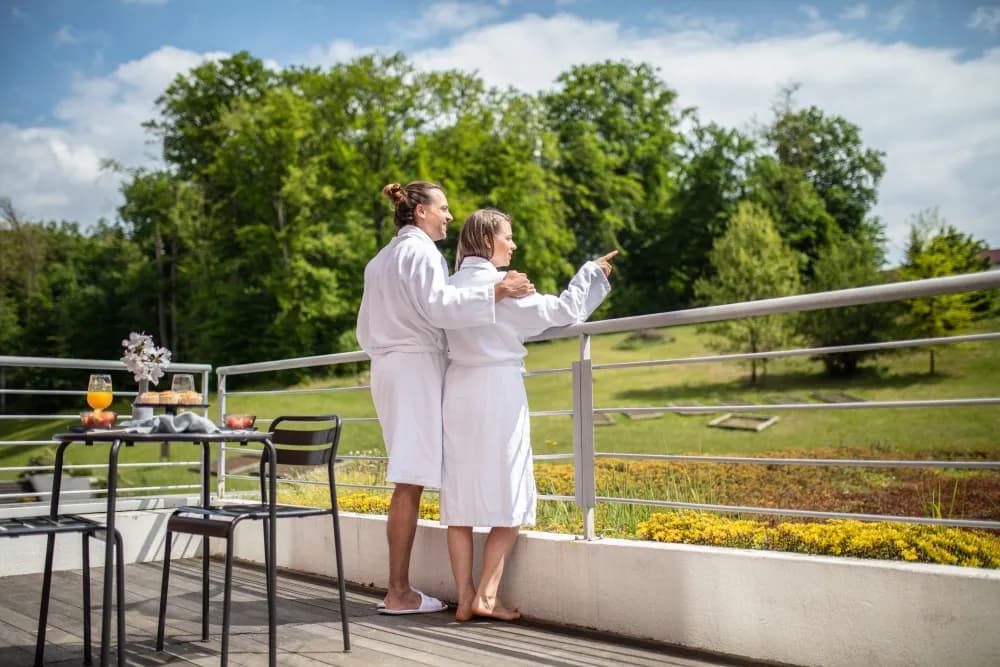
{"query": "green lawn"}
pixel 966 370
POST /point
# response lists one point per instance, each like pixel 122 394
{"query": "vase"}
pixel 140 413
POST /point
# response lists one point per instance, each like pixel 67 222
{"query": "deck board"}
pixel 309 629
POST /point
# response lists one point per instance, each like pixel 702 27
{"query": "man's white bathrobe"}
pixel 406 302
pixel 488 478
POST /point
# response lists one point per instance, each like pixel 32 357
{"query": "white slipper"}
pixel 428 605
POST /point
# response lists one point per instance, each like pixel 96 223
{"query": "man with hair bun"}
pixel 406 305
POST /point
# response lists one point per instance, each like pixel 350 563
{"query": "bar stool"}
pixel 295 446
pixel 88 528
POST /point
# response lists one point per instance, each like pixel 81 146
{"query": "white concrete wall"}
pixel 802 610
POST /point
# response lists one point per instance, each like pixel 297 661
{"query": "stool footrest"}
pixel 199 526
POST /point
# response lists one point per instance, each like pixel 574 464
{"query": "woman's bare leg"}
pixel 460 552
pixel 498 545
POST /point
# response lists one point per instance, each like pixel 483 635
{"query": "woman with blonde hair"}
pixel 487 477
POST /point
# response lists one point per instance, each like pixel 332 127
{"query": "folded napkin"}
pixel 185 422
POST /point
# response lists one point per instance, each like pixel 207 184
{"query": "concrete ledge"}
pixel 787 608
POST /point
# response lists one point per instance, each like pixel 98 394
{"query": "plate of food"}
pixel 98 419
pixel 239 422
pixel 169 398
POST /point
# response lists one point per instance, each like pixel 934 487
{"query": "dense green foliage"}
pixel 250 242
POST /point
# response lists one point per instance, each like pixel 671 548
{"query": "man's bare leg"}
pixel 401 528
pixel 460 552
pixel 486 603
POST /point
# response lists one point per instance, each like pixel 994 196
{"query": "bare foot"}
pixel 464 611
pixel 494 609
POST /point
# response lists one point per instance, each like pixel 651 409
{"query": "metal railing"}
pixel 203 370
pixel 583 409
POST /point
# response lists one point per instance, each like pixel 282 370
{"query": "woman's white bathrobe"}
pixel 406 302
pixel 487 477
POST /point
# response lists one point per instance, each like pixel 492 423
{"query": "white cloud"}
pixel 985 18
pixel 337 51
pixel 936 114
pixel 54 172
pixel 66 35
pixel 811 12
pixel 894 19
pixel 693 23
pixel 450 16
pixel 855 12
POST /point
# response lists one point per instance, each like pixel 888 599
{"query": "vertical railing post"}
pixel 583 437
pixel 220 478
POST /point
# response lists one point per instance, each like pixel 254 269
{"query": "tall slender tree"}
pixel 749 262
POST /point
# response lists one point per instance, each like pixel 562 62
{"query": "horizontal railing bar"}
pixel 67 492
pixel 552 457
pixel 805 351
pixel 272 392
pixel 61 392
pixel 845 463
pixel 855 296
pixel 754 407
pixel 298 362
pixel 358 457
pixel 100 466
pixel 339 484
pixel 96 364
pixel 548 371
pixel 20 443
pixel 75 417
pixel 562 499
pixel 812 514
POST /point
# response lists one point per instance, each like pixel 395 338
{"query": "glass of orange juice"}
pixel 99 392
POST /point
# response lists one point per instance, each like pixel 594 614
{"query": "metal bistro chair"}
pixel 69 523
pixel 294 447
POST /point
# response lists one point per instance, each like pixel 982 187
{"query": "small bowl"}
pixel 239 421
pixel 102 419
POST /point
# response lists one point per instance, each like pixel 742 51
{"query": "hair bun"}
pixel 395 192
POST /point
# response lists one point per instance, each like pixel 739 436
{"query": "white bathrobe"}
pixel 488 478
pixel 406 302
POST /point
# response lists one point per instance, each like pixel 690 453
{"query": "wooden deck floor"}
pixel 309 630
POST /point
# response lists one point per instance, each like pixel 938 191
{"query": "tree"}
pixel 712 179
pixel 847 262
pixel 617 160
pixel 193 104
pixel 750 262
pixel 935 249
pixel 827 153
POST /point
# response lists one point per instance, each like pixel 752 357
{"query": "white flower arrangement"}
pixel 143 359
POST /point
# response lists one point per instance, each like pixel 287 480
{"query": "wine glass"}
pixel 182 382
pixel 99 392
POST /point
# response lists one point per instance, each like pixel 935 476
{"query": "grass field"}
pixel 965 370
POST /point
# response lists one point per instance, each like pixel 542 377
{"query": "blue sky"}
pixel 921 78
